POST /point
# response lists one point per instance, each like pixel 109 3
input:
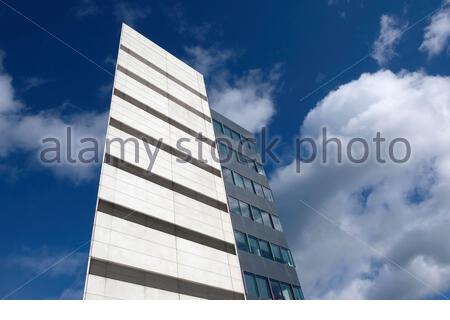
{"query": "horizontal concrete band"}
pixel 161 71
pixel 162 117
pixel 169 149
pixel 159 281
pixel 162 92
pixel 145 220
pixel 164 182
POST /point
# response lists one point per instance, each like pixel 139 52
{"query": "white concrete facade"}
pixel 188 261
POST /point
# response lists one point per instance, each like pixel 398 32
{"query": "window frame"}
pixel 276 252
pixel 275 284
pixel 268 219
pixel 270 257
pixel 256 240
pixel 238 205
pixel 277 224
pixel 253 214
pixel 255 184
pixel 268 195
pixel 253 280
pixel 267 287
pixel 236 232
pixel 231 175
pixel 249 216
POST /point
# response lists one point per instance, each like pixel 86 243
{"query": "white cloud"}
pixel 23 131
pixel 206 61
pixel 249 99
pixel 126 12
pixel 437 33
pixel 400 210
pixel 390 34
pixel 59 263
pixel 86 8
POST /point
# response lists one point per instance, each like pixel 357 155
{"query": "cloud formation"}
pixel 126 12
pixel 400 211
pixel 390 34
pixel 22 131
pixel 247 99
pixel 437 33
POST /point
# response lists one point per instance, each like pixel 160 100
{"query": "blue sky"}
pixel 278 61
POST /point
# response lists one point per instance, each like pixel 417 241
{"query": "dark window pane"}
pixel 251 164
pixel 238 180
pixel 227 175
pixel 248 184
pixel 256 215
pixel 264 249
pixel 217 126
pixel 298 294
pixel 276 290
pixel 268 194
pixel 263 288
pixel 233 155
pixel 236 136
pixel 258 189
pixel 276 252
pixel 287 257
pixel 241 241
pixel 266 219
pixel 276 223
pixel 227 131
pixel 260 169
pixel 254 245
pixel 250 285
pixel 243 159
pixel 234 205
pixel 224 152
pixel 286 291
pixel 245 209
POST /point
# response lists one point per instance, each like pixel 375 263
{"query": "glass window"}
pixel 268 194
pixel 227 175
pixel 241 240
pixel 263 287
pixel 276 252
pixel 245 209
pixel 223 151
pixel 298 294
pixel 256 214
pixel 286 291
pixel 248 184
pixel 236 136
pixel 277 294
pixel 250 285
pixel 243 159
pixel 227 131
pixel 264 249
pixel 232 155
pixel 287 257
pixel 260 169
pixel 251 164
pixel 217 126
pixel 234 205
pixel 258 189
pixel 266 219
pixel 254 246
pixel 238 180
pixel 276 223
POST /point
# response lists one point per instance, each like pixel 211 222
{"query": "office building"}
pixel 162 228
